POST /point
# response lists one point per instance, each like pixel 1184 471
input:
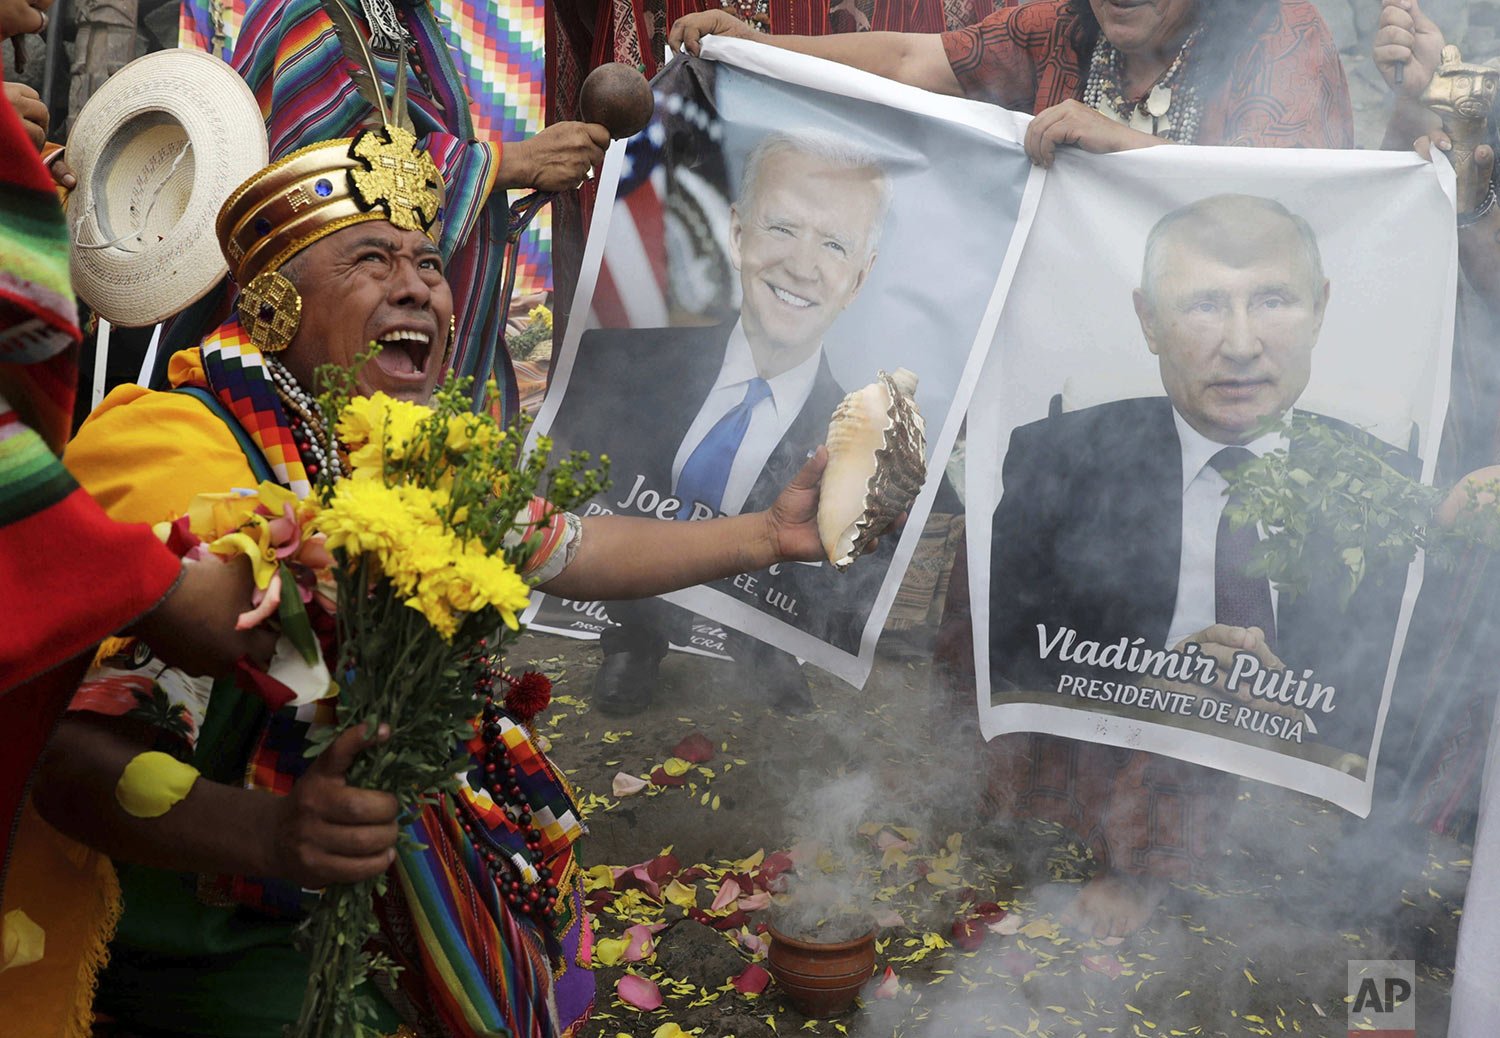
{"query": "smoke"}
pixel 829 898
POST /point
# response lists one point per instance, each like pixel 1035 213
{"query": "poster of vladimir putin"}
pixel 773 241
pixel 1124 604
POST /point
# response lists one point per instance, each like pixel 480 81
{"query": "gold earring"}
pixel 452 333
pixel 270 309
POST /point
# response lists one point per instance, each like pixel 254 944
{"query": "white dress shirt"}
pixel 769 421
pixel 1203 503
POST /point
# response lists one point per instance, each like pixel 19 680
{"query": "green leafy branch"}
pixel 1331 513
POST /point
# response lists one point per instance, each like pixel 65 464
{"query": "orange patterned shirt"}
pixel 1285 89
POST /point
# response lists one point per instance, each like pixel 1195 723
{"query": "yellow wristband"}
pixel 152 782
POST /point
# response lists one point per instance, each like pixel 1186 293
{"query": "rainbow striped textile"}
pixel 497 48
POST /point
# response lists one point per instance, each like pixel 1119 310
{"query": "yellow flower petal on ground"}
pixel 1039 928
pixel 598 878
pixel 894 855
pixel 610 950
pixel 671 1030
pixel 746 864
pixel 943 878
pixel 152 782
pixel 678 894
pixel 22 942
pixel 676 766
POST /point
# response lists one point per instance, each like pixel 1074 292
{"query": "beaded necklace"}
pixel 536 898
pixel 1170 110
pixel 309 430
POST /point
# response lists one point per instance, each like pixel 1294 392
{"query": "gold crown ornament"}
pixel 380 175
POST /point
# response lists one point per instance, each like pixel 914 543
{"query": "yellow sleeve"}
pixel 144 455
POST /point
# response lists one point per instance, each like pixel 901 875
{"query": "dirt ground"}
pixel 861 792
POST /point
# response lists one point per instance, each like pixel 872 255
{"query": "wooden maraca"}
pixel 617 97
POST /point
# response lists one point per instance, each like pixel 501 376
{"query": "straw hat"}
pixel 157 151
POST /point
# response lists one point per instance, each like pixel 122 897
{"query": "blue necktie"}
pixel 706 472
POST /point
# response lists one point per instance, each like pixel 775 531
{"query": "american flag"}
pixel 632 288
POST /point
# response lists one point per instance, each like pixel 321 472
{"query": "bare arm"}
pixel 914 58
pixel 625 557
pixel 323 832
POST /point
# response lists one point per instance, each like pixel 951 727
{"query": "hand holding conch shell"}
pixel 876 465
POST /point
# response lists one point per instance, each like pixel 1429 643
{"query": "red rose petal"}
pixel 968 934
pixel 638 992
pixel 659 777
pixel 636 877
pixel 752 981
pixel 695 749
pixel 663 867
pixel 755 902
pixel 989 912
pixel 732 921
pixel 729 893
pixel 768 876
pixel 1108 965
pixel 888 987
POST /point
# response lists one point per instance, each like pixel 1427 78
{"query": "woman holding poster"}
pixel 1109 76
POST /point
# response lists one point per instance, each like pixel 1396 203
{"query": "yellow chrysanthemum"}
pixel 495 582
pixel 470 432
pixel 366 517
pixel 378 427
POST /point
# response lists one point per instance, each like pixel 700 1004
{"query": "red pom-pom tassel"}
pixel 527 695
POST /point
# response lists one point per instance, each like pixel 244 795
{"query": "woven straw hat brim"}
pixel 141 190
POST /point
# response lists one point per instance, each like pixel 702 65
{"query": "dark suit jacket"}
pixel 1088 535
pixel 634 393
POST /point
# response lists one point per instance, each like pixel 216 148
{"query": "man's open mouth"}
pixel 789 299
pixel 404 353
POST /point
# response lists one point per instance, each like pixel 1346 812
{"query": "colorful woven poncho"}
pixel 69 577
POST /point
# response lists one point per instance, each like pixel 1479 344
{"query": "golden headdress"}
pixel 381 174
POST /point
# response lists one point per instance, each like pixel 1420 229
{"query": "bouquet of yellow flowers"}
pixel 430 531
pixel 431 528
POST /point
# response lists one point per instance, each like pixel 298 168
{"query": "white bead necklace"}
pixel 313 436
pixel 1171 109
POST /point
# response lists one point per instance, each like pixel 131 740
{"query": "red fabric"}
pixel 1285 89
pixel 78 577
pixel 27 717
pixel 70 576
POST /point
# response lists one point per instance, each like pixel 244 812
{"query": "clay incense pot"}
pixel 821 980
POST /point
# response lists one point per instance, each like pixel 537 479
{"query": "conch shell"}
pixel 876 465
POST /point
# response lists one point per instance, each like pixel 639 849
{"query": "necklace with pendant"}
pixel 1170 109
